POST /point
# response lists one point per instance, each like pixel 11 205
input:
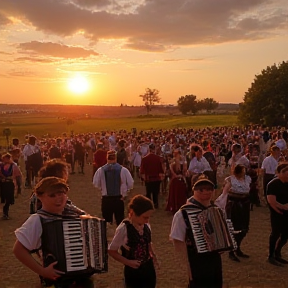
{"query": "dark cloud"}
pixel 57 50
pixel 156 25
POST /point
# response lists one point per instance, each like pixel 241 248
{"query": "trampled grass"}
pixel 40 125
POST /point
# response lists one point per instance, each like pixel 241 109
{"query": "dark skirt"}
pixel 238 210
pixel 143 277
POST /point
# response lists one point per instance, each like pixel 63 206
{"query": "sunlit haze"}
pixel 207 48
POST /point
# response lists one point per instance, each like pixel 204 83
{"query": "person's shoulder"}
pixel 228 178
pixel 247 177
pixel 274 182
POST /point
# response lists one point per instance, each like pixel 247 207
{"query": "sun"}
pixel 78 84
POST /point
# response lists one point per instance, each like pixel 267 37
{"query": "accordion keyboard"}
pixel 211 231
pixel 197 231
pixel 73 245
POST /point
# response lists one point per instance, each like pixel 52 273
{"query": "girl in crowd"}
pixel 9 171
pixel 177 187
pixel 133 236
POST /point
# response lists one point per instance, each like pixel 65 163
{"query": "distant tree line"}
pixel 186 104
pixel 190 104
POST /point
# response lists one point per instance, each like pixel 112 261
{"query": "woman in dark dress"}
pixel 177 188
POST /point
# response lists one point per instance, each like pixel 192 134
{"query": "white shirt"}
pixel 269 164
pixel 29 150
pixel 29 234
pixel 126 181
pixel 239 159
pixel 281 144
pixel 199 166
pixel 120 238
pixel 239 186
pixel 178 227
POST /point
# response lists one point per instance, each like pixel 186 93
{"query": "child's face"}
pixel 55 200
pixel 143 218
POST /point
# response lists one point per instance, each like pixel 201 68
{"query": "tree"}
pixel 150 98
pixel 208 104
pixel 188 103
pixel 266 101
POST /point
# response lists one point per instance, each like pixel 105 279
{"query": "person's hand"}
pixel 50 273
pixel 285 206
pixel 135 264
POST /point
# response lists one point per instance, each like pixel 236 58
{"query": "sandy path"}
pixel 252 273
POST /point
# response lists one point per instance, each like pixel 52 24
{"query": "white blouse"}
pixel 239 186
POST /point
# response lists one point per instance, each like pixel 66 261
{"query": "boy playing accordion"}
pixel 52 192
pixel 193 240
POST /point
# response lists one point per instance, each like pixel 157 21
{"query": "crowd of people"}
pixel 182 164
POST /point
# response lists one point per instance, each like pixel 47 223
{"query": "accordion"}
pixel 79 245
pixel 208 229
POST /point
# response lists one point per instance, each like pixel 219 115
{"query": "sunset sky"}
pixel 117 48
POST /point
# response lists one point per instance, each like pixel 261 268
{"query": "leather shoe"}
pixel 233 257
pixel 239 253
pixel 273 261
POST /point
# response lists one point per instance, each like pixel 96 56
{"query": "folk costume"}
pixel 8 174
pixel 177 188
pixel 30 236
pixel 134 245
pixel 114 181
pixel 238 209
pixel 206 268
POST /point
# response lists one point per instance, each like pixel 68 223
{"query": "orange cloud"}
pixel 56 50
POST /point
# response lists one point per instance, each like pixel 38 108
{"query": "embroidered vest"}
pixel 113 179
pixel 138 245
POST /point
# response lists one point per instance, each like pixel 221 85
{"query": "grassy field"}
pixel 40 125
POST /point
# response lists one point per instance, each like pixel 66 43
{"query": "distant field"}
pixel 40 125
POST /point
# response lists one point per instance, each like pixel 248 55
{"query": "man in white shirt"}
pixel 269 166
pixel 114 181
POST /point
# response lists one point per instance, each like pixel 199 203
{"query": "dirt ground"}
pixel 249 273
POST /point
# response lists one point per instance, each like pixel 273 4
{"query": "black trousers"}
pixel 143 277
pixel 7 196
pixel 206 270
pixel 279 233
pixel 153 189
pixel 113 205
